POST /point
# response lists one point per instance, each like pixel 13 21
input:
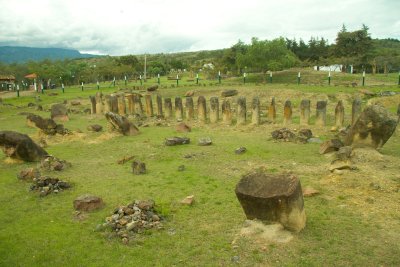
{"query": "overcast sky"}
pixel 119 27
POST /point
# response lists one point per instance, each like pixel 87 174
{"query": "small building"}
pixel 6 82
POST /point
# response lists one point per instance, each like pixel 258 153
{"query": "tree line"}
pixel 355 48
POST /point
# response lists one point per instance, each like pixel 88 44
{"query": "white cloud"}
pixel 125 26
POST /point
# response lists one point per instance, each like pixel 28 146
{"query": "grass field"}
pixel 352 222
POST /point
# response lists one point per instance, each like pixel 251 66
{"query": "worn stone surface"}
pixel 205 141
pixel 168 108
pixel 59 112
pixel 95 128
pixel 52 163
pixel 88 203
pixel 330 146
pixel 121 124
pixel 373 128
pixel 255 111
pixel 46 185
pixel 272 110
pixel 189 200
pixel 287 112
pixel 173 141
pixel 149 106
pixel 202 109
pixel 320 118
pixel 283 134
pixel 240 150
pixel 272 198
pixel 92 104
pixel 28 174
pixel 20 146
pixel 160 113
pixel 214 109
pixel 228 93
pixel 305 105
pixel 99 103
pixel 189 108
pixel 189 93
pixel 241 112
pixel 226 112
pixel 183 128
pixel 121 104
pixel 339 114
pixel 178 109
pixel 344 153
pixel 138 167
pixel 47 126
pixel 152 88
pixel 309 192
pixel 340 165
pixel 355 110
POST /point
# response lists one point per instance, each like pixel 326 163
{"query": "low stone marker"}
pixel 121 124
pixel 272 110
pixel 272 198
pixel 226 112
pixel 59 112
pixel 189 108
pixel 92 104
pixel 168 108
pixel 138 167
pixel 159 107
pixel 255 111
pixel 99 103
pixel 95 128
pixel 173 141
pixel 305 112
pixel 320 119
pixel 214 109
pixel 339 114
pixel 88 203
pixel 178 109
pixel 240 150
pixel 20 146
pixel 201 109
pixel 28 174
pixel 287 112
pixel 205 141
pixel 241 112
pixel 373 128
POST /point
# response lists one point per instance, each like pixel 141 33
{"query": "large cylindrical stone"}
pixel 99 103
pixel 305 112
pixel 320 119
pixel 355 110
pixel 214 109
pixel 160 113
pixel 255 111
pixel 273 198
pixel 114 103
pixel 272 110
pixel 201 109
pixel 189 108
pixel 121 104
pixel 226 112
pixel 178 109
pixel 108 104
pixel 287 112
pixel 92 104
pixel 131 109
pixel 339 114
pixel 149 106
pixel 137 104
pixel 168 108
pixel 241 111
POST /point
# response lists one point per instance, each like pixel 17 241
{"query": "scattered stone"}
pixel 284 134
pixel 46 185
pixel 173 141
pixel 344 153
pixel 330 146
pixel 121 124
pixel 28 174
pixel 309 192
pixel 52 163
pixel 183 128
pixel 75 103
pixel 88 203
pixel 138 167
pixel 205 141
pixel 59 112
pixel 20 146
pixel 240 150
pixel 95 128
pixel 125 159
pixel 132 219
pixel 272 198
pixel 189 93
pixel 152 88
pixel 373 128
pixel 228 93
pixel 181 168
pixel 188 200
pixel 47 126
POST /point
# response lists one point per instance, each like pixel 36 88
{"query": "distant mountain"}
pixel 20 54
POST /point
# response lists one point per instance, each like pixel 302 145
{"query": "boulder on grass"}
pixel 20 146
pixel 228 93
pixel 88 203
pixel 173 141
pixel 121 124
pixel 373 128
pixel 272 198
pixel 59 112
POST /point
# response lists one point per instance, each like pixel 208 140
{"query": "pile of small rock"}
pixel 288 135
pixel 46 185
pixel 52 163
pixel 136 217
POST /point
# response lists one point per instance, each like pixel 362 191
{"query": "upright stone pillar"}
pixel 168 108
pixel 241 111
pixel 121 104
pixel 92 104
pixel 201 109
pixel 272 110
pixel 305 112
pixel 137 104
pixel 149 106
pixel 107 107
pixel 189 108
pixel 99 103
pixel 255 111
pixel 131 109
pixel 287 112
pixel 178 109
pixel 339 114
pixel 159 107
pixel 114 104
pixel 355 110
pixel 214 109
pixel 226 112
pixel 320 119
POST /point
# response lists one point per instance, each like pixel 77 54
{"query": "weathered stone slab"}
pixel 178 109
pixel 201 109
pixel 226 112
pixel 189 108
pixel 330 146
pixel 59 112
pixel 305 112
pixel 241 112
pixel 149 106
pixel 320 119
pixel 160 113
pixel 138 167
pixel 88 203
pixel 272 110
pixel 121 124
pixel 339 114
pixel 228 93
pixel 173 141
pixel 255 111
pixel 168 108
pixel 287 112
pixel 214 110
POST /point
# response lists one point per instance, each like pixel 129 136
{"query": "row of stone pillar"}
pixel 116 103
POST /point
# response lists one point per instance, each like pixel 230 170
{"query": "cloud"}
pixel 132 27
